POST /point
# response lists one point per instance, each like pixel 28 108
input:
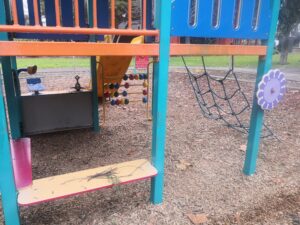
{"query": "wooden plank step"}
pixel 62 186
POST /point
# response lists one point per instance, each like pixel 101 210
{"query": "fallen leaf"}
pixel 197 219
pixel 238 218
pixel 183 165
pixel 243 148
pixel 277 181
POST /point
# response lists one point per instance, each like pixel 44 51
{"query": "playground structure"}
pixel 237 19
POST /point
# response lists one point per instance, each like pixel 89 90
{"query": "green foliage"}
pixel 289 16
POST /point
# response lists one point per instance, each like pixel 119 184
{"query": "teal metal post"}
pixel 93 67
pixel 160 95
pixel 257 115
pixel 7 183
pixel 93 64
pixel 8 65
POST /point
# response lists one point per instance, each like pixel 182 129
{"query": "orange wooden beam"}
pixel 75 30
pixel 193 50
pixel 75 49
pixel 22 48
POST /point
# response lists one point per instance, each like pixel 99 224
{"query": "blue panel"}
pixel 67 20
pixel 203 27
pixel 67 13
pixel 226 16
pixel 82 21
pixel 49 11
pixel 102 16
pixel 103 13
pixel 246 16
pixel 20 9
pixel 30 12
pixel 149 19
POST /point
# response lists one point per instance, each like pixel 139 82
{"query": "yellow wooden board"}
pixel 66 185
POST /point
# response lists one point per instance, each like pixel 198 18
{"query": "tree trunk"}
pixel 284 57
pixel 284 50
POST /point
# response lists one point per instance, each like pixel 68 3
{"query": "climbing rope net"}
pixel 218 100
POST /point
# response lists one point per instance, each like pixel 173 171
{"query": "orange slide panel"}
pixel 22 48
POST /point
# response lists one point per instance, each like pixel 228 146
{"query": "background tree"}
pixel 289 17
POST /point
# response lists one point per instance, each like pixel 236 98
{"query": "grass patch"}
pixel 54 62
pixel 211 61
pixel 240 61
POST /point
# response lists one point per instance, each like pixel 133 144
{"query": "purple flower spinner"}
pixel 271 89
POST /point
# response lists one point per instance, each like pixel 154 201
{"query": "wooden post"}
pixel 160 95
pixel 257 115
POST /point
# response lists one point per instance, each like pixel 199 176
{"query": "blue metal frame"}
pixel 160 95
pixel 204 13
pixel 264 65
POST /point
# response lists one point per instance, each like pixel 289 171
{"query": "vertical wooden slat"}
pixel 113 17
pixel 95 21
pixel 57 13
pixel 76 12
pixel 129 14
pixel 36 13
pixel 144 14
pixel 14 12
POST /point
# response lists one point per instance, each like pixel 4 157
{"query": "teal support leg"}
pixel 257 115
pixel 12 97
pixel 8 65
pixel 7 183
pixel 160 95
pixel 93 67
pixel 95 94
